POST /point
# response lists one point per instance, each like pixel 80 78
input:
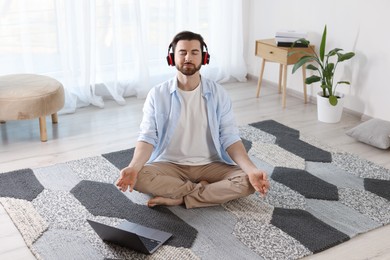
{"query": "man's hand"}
pixel 127 179
pixel 257 178
pixel 259 181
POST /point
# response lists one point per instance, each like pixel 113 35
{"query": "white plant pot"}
pixel 326 112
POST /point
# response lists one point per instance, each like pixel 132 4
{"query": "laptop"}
pixel 131 235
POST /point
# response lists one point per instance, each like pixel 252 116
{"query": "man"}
pixel 189 143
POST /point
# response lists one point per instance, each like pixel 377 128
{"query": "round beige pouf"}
pixel 28 96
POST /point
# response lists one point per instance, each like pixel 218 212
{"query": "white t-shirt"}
pixel 191 143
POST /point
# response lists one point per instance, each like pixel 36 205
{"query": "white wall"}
pixel 354 25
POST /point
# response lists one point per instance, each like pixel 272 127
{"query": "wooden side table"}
pixel 269 51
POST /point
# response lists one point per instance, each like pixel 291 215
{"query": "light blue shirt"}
pixel 162 111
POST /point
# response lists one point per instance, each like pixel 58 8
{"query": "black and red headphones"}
pixel 171 55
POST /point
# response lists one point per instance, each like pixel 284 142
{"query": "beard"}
pixel 188 70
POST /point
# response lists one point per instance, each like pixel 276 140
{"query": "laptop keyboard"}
pixel 150 244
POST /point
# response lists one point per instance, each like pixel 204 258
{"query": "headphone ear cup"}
pixel 205 58
pixel 171 59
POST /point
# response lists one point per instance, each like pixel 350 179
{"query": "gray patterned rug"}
pixel 319 198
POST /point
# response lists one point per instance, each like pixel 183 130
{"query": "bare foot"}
pixel 164 201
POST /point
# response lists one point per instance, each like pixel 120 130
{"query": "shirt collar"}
pixel 205 87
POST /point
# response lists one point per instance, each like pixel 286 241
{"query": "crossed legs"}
pixel 194 186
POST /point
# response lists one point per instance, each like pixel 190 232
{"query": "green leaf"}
pixel 311 67
pixel 301 40
pixel 346 56
pixel 322 46
pixel 312 79
pixel 334 52
pixel 333 100
pixel 329 69
pixel 301 62
pixel 344 82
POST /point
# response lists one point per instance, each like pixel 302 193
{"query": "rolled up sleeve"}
pixel 148 127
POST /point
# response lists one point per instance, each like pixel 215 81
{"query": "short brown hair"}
pixel 187 35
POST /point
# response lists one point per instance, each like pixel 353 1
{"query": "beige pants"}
pixel 169 180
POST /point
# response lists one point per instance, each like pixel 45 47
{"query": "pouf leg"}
pixel 54 118
pixel 42 127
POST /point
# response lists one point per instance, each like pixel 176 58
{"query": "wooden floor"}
pixel 92 131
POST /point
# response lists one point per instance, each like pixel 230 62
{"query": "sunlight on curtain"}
pixel 112 49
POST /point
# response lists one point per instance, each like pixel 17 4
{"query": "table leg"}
pixel 280 78
pixel 304 83
pixel 260 78
pixel 284 86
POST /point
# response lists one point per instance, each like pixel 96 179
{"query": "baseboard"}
pixel 310 99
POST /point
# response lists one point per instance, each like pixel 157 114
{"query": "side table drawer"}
pixel 271 53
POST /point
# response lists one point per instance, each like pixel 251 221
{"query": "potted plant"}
pixel 324 65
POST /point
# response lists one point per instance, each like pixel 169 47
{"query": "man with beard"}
pixel 189 150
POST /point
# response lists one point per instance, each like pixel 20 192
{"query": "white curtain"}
pixel 111 49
